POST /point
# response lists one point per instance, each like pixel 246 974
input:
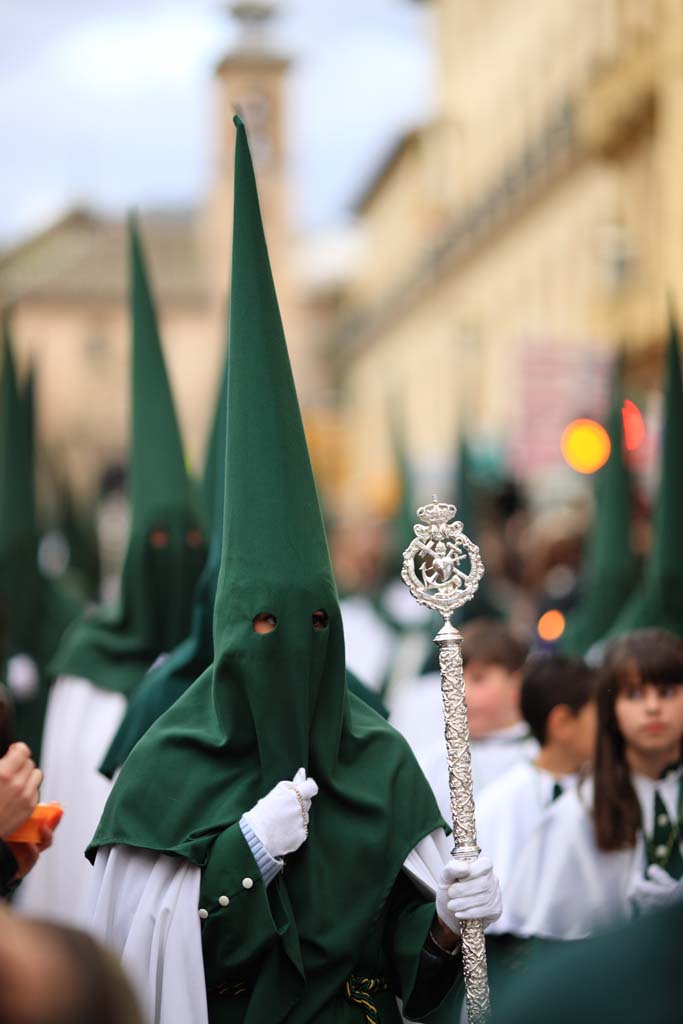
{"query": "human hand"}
pixel 27 854
pixel 280 819
pixel 19 784
pixel 656 891
pixel 468 891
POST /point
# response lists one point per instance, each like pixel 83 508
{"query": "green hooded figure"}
pixel 79 528
pixel 106 653
pixel 611 563
pixel 34 610
pixel 330 937
pixel 163 685
pixel 658 600
pixel 166 548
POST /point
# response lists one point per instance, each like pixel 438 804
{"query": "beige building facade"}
pixel 515 242
pixel 67 285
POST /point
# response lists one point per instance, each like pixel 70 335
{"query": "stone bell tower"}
pixel 251 80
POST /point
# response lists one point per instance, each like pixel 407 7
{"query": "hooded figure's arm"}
pixel 244 914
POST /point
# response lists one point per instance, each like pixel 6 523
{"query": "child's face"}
pixel 492 698
pixel 650 716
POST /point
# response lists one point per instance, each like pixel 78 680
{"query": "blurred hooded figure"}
pixel 189 884
pixel 106 653
pixel 34 610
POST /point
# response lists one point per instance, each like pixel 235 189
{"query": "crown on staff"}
pixel 437 513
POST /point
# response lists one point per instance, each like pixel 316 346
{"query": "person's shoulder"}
pixel 513 782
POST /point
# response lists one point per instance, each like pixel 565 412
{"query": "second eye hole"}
pixel 320 619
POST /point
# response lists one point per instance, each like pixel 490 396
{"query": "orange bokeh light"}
pixel 551 625
pixel 634 425
pixel 585 445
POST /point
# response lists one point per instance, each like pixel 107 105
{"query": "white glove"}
pixel 280 819
pixel 468 891
pixel 656 891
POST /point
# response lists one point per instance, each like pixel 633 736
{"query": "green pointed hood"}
pixel 658 600
pixel 273 703
pixel 163 685
pixel 213 478
pixel 77 524
pixel 166 548
pixel 464 498
pixel 34 610
pixel 17 494
pixel 611 564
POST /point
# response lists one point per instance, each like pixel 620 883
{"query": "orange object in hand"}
pixel 30 831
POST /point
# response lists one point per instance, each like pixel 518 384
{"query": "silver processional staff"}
pixel 442 568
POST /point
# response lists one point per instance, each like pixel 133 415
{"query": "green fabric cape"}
pixel 35 610
pixel 114 649
pixel 658 600
pixel 270 704
pixel 611 564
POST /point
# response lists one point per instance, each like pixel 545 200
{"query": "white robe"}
pixel 80 723
pixel 368 641
pixel 421 722
pixel 508 813
pixel 564 887
pixel 144 906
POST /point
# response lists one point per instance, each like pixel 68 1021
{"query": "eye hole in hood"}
pixel 320 619
pixel 263 623
pixel 159 538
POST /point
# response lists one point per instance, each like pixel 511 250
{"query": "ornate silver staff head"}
pixel 441 566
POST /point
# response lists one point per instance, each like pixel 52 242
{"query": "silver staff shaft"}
pixel 433 572
pixel 462 811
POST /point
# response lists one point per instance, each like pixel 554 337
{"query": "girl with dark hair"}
pixel 613 848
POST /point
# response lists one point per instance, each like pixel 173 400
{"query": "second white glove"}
pixel 280 819
pixel 656 891
pixel 468 891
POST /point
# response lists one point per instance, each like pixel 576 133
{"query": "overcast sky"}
pixel 107 102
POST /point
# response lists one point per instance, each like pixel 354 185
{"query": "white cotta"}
pixel 368 641
pixel 564 886
pixel 144 907
pixel 492 756
pixel 508 813
pixel 80 723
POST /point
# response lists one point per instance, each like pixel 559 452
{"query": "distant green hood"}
pixel 611 566
pixel 658 600
pixel 166 549
pixel 34 610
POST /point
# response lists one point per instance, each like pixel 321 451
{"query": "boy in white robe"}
pixel 500 738
pixel 558 704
